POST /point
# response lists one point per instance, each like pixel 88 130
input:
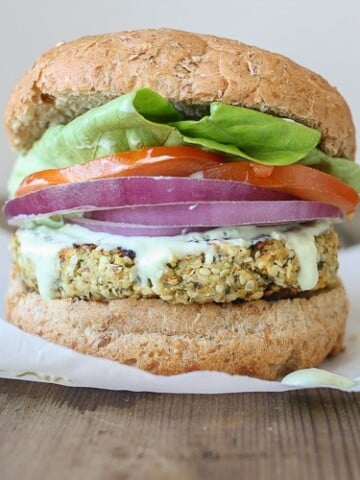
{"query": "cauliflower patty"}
pixel 265 269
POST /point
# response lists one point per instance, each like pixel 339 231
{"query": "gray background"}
pixel 323 35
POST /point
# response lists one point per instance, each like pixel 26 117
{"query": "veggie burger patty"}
pixel 232 271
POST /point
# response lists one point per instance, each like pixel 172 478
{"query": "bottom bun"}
pixel 265 339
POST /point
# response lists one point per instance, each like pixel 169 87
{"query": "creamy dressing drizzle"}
pixel 315 376
pixel 41 245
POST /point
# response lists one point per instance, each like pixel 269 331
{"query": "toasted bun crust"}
pixel 258 338
pixel 186 68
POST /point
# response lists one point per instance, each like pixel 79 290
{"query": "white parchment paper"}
pixel 24 356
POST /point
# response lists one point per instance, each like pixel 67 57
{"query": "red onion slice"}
pixel 126 191
pixel 219 213
pixel 133 230
pixel 174 219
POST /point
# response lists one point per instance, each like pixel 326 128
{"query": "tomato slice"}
pixel 300 181
pixel 157 161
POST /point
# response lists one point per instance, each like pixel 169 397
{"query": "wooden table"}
pixel 53 432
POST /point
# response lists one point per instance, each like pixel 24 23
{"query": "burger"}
pixel 175 197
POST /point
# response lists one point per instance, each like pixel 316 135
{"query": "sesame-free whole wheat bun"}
pixel 290 330
pixel 265 339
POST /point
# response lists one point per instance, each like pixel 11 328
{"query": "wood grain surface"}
pixel 53 432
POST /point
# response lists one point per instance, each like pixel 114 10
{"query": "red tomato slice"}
pixel 157 161
pixel 302 182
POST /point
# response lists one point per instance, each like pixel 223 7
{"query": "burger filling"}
pixel 193 239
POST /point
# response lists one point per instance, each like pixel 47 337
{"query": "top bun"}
pixel 188 69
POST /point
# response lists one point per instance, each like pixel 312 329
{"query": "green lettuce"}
pixel 144 119
pixel 249 134
pixel 346 170
pixel 136 120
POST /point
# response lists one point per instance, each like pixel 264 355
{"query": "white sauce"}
pixel 303 244
pixel 41 244
pixel 315 376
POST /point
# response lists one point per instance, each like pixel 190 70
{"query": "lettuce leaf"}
pixel 249 134
pixel 130 122
pixel 346 170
